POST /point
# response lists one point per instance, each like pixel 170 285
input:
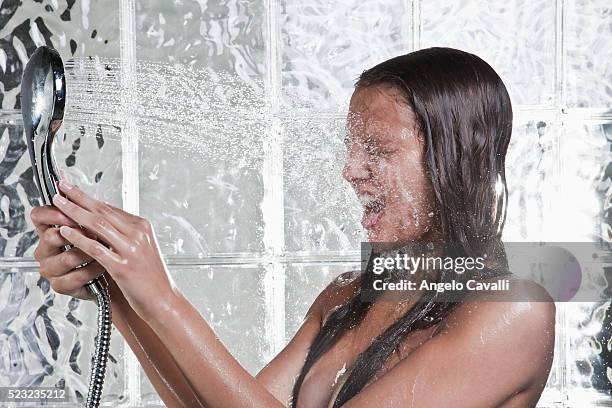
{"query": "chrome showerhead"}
pixel 43 96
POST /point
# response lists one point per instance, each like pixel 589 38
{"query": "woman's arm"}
pixel 163 372
pixel 216 376
pixel 126 247
pixel 174 387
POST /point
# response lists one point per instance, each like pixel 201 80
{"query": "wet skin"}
pixel 484 354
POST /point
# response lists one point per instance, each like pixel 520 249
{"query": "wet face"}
pixel 385 165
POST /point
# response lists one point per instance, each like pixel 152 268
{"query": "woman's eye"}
pixel 377 151
pixel 371 150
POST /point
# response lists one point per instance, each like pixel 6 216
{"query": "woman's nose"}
pixel 355 168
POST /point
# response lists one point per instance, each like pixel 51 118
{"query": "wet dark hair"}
pixel 464 114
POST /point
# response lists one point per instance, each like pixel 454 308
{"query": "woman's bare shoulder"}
pixel 337 293
pixel 526 312
pixel 523 298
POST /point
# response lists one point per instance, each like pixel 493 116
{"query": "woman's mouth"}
pixel 372 213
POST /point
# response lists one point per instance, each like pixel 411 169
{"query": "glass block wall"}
pixel 222 123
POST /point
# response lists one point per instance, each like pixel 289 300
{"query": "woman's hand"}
pixel 132 257
pixel 56 265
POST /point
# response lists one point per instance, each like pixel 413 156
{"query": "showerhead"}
pixel 43 96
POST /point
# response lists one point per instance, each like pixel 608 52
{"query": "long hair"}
pixel 464 114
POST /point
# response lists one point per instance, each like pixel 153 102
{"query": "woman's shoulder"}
pixel 519 333
pixel 337 293
pixel 525 305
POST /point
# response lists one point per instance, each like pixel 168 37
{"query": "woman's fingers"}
pixel 46 215
pixel 129 217
pixel 53 238
pixel 126 214
pixel 58 265
pixel 132 258
pixel 51 243
pixel 107 258
pixel 67 271
pixel 73 282
pixel 118 218
pixel 45 218
pixel 102 224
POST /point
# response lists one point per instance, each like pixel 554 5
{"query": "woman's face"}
pixel 385 165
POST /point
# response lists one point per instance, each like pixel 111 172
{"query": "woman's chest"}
pixel 328 374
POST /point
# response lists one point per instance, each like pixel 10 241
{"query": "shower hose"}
pixel 102 344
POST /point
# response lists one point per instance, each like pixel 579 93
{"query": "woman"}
pixel 426 144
